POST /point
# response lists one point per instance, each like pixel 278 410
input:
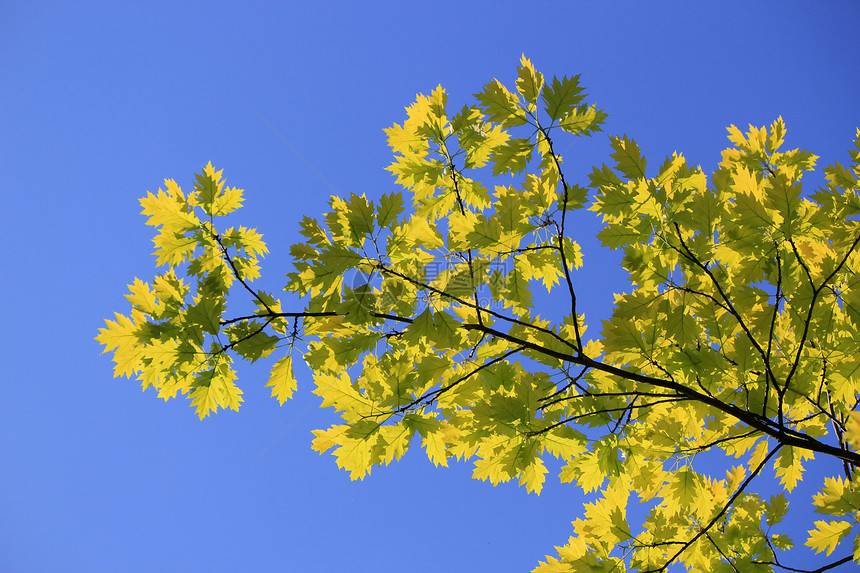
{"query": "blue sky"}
pixel 99 102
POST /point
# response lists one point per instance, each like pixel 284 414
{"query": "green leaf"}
pixel 575 196
pixel 561 96
pixel 501 105
pixel 207 313
pixel 628 158
pixel 529 82
pixel 583 120
pixel 209 186
pixel 360 216
pixel 789 466
pixel 839 176
pixel 215 388
pixel 390 207
pixel 516 291
pixel 776 509
pixel 251 341
pixel 512 157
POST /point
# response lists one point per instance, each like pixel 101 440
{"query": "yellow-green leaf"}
pixel 827 535
pixel 281 379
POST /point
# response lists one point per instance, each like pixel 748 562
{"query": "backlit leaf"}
pixel 827 535
pixel 281 379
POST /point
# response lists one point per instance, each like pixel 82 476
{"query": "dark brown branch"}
pixel 778 298
pixel 430 396
pixel 478 308
pixel 719 515
pixel 469 252
pixel 564 388
pixel 699 293
pixel 822 569
pixel 693 259
pixel 311 315
pixel 840 436
pixel 783 435
pixel 709 445
pixel 277 315
pixel 624 408
pixel 236 272
pixel 815 293
pixel 635 393
pixel 248 336
pixel 560 238
pixel 720 551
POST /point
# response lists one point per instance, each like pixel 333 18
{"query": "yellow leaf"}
pixel 353 444
pixel 168 211
pixel 586 470
pixel 434 444
pixel 173 383
pixel 530 82
pixel 173 248
pixel 533 475
pixel 402 140
pixel 420 233
pixel 143 298
pixel 777 135
pixel 838 497
pixel 734 477
pixel 683 491
pixel 736 136
pixel 435 436
pixel 216 389
pixel 789 466
pixel 337 391
pixel 392 443
pixel 121 337
pixel 758 455
pixel 827 535
pixel 281 380
pixel 209 186
pixel 856 549
pixel 605 519
pixel 745 181
pixel 230 200
pixel 325 440
pixel 852 429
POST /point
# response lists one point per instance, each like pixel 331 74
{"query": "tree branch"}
pixel 560 235
pixel 783 435
pixel 722 512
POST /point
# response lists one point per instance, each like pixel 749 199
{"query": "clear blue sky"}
pixel 99 102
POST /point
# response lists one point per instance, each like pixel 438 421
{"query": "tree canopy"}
pixel 736 347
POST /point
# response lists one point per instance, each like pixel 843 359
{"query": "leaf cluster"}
pixel 175 339
pixel 737 339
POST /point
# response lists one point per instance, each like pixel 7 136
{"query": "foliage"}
pixel 738 339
